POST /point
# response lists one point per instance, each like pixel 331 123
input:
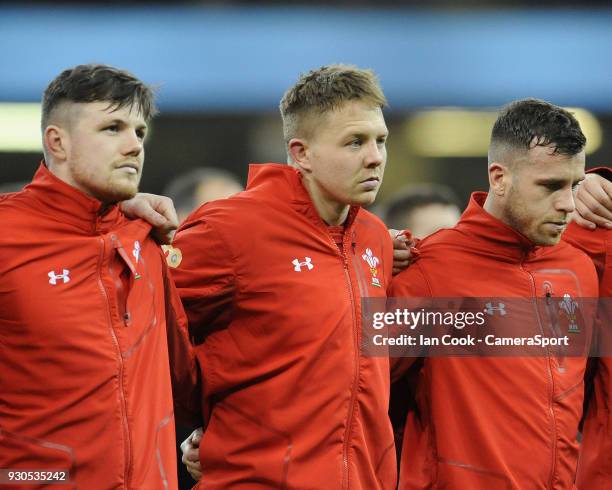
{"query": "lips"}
pixel 134 166
pixel 371 179
pixel 558 225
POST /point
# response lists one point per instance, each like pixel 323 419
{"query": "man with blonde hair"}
pixel 274 304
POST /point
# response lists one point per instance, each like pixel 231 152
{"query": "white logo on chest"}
pixel 297 265
pixel 372 262
pixel 490 309
pixel 64 276
pixel 570 307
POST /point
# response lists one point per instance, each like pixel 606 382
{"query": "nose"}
pixel 565 202
pixel 133 144
pixel 375 155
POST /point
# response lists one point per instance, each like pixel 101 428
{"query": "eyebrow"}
pixel 124 123
pixel 558 182
pixel 363 135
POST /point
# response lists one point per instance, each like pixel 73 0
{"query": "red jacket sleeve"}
pixel 594 469
pixel 411 282
pixel 591 242
pixel 205 277
pixel 184 368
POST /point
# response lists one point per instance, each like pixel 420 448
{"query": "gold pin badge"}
pixel 173 255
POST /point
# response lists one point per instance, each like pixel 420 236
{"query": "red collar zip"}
pixel 71 205
pixel 269 180
pixel 496 235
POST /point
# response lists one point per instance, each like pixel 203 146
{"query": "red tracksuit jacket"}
pixel 595 466
pixel 85 384
pixel 274 306
pixel 494 423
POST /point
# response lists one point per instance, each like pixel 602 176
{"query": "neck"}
pixel 61 172
pixel 330 211
pixel 492 207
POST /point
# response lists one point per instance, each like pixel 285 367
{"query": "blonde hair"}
pixel 326 89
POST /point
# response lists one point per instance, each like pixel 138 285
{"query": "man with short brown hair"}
pixel 87 310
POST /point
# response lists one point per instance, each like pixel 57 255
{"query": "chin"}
pixel 547 241
pixel 118 194
pixel 125 195
pixel 364 199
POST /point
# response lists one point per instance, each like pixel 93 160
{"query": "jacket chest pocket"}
pixel 133 293
pixel 565 314
pixel 562 307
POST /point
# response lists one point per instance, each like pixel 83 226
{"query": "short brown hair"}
pixel 98 83
pixel 326 89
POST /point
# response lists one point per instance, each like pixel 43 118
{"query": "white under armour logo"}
pixel 490 309
pixel 136 251
pixel 64 276
pixel 297 265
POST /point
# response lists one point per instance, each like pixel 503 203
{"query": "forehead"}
pixel 543 162
pixel 351 117
pixel 103 111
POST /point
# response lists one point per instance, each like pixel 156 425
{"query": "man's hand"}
pixel 191 454
pixel 157 210
pixel 403 250
pixel 594 202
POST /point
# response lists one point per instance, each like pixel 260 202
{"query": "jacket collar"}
pixel 70 205
pixel 282 183
pixel 493 234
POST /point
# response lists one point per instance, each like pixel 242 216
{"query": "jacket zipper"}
pixel 349 420
pixel 124 419
pixel 554 422
pixel 554 458
pixel 551 411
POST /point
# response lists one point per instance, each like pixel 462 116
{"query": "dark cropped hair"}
pixel 526 123
pixel 98 83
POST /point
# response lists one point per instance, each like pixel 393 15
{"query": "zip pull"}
pixel 554 323
pixel 548 292
pixel 124 255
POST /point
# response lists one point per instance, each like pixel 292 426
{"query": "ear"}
pixel 299 153
pixel 499 179
pixel 57 143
